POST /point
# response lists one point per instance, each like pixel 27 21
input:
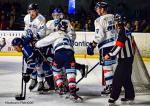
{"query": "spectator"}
pixel 12 17
pixel 11 22
pixel 143 25
pixel 91 25
pixel 86 27
pixel 147 28
pixel 3 22
pixel 136 26
pixel 129 26
pixel 77 26
pixel 73 24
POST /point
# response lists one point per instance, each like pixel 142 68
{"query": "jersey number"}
pixel 110 26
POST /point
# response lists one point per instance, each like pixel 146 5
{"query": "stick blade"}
pixel 19 97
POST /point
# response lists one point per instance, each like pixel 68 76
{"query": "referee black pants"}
pixel 122 78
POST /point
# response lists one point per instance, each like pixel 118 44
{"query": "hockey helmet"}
pixel 120 19
pixel 62 25
pixel 57 10
pixel 101 5
pixel 33 6
pixel 17 41
pixel 57 13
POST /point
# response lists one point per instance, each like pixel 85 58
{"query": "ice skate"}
pixel 33 84
pixel 127 101
pixel 40 87
pixel 107 90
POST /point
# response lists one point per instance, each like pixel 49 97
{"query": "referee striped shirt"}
pixel 124 45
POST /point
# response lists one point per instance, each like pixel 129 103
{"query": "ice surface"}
pixel 90 87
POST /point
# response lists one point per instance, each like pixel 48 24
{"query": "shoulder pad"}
pixel 40 17
pixel 27 17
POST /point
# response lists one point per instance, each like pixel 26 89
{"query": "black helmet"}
pixel 101 5
pixel 63 25
pixel 120 19
pixel 33 6
pixel 17 41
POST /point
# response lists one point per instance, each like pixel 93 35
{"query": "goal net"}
pixel 140 75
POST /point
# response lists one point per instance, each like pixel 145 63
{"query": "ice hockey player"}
pixel 124 49
pixel 105 36
pixel 28 55
pixel 44 57
pixel 35 26
pixel 52 27
pixel 63 57
pixel 48 56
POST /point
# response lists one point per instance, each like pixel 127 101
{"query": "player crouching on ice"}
pixel 105 35
pixel 30 56
pixel 63 57
pixel 27 51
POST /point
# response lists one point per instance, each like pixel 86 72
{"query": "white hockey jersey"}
pixel 37 25
pixel 58 40
pixel 51 26
pixel 105 32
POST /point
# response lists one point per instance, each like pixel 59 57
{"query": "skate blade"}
pixel 41 92
pixel 113 104
pixel 127 102
pixel 79 100
pixel 104 95
pixel 19 97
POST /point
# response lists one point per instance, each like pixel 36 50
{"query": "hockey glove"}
pixel 28 38
pixel 26 77
pixel 29 33
pixel 90 49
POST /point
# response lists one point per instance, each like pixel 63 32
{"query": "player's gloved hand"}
pixel 29 33
pixel 90 49
pixel 26 77
pixel 28 37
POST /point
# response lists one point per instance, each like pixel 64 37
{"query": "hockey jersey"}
pixel 105 32
pixel 124 44
pixel 37 25
pixel 59 40
pixel 52 27
pixel 29 57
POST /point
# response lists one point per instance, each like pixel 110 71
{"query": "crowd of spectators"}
pixel 134 25
pixel 9 13
pixel 10 16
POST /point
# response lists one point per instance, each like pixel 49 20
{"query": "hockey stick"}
pixel 89 71
pixel 86 72
pixel 22 95
pixel 43 56
pixel 103 77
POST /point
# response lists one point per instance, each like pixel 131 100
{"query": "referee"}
pixel 125 51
